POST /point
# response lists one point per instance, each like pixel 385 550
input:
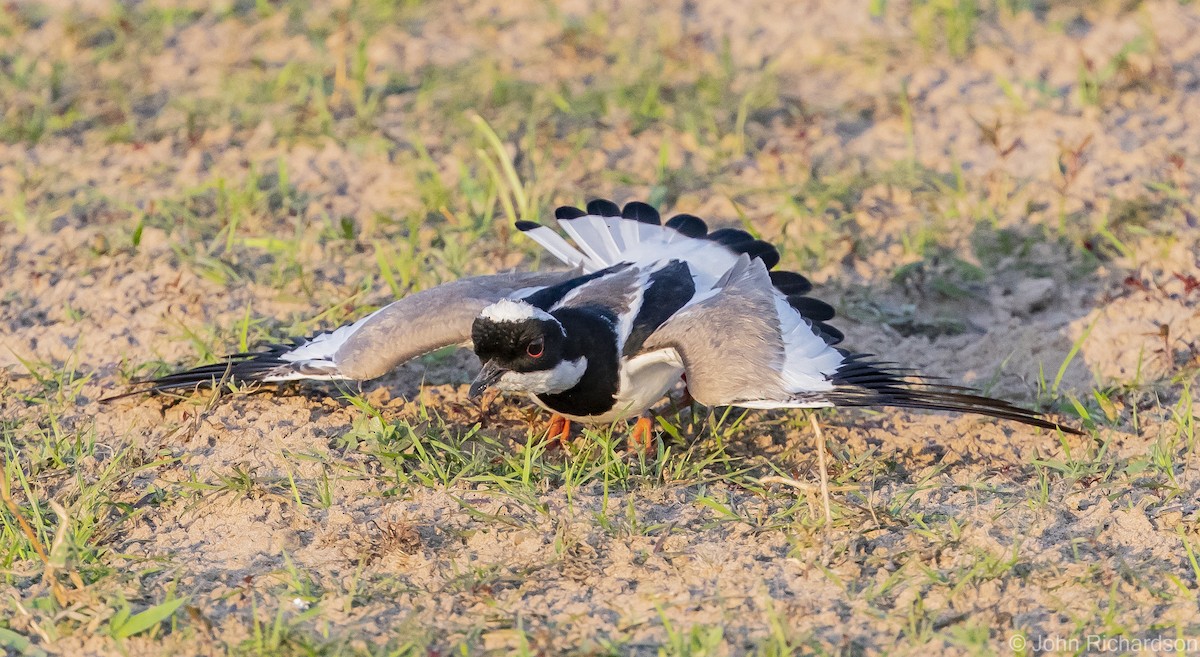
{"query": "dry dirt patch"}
pixel 1005 197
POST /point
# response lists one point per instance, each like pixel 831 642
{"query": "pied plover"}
pixel 643 305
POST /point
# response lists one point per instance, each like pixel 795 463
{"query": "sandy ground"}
pixel 1019 215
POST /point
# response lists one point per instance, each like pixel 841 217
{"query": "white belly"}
pixel 644 380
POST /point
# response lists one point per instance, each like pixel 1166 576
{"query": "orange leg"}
pixel 559 430
pixel 642 437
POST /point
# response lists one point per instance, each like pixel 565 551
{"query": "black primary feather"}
pixel 862 382
pixel 790 283
pixel 245 367
pixel 830 335
pixel 764 251
pixel 740 241
pixel 814 309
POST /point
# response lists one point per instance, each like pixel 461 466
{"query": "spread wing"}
pixel 743 346
pixel 731 343
pixel 430 319
pixel 417 324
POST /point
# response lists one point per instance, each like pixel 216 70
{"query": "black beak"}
pixel 490 374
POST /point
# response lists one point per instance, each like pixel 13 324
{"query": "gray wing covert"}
pixel 430 319
pixel 729 343
pixel 613 291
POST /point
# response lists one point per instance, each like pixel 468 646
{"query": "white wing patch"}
pixel 809 362
pixel 314 358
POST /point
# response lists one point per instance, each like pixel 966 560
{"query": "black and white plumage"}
pixel 643 305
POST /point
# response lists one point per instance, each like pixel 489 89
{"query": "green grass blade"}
pixel 147 619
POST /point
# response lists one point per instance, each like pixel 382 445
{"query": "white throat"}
pixel 561 377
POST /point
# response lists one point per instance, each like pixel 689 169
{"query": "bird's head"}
pixel 521 348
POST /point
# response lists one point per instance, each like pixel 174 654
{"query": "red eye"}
pixel 535 348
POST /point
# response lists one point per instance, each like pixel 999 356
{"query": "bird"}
pixel 641 306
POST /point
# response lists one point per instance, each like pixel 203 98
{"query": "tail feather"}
pixel 630 232
pixel 553 242
pixel 588 238
pixel 603 234
pixel 614 241
pixel 862 382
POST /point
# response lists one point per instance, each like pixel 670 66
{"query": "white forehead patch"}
pixel 507 310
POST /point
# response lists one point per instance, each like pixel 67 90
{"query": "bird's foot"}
pixel 641 439
pixel 676 405
pixel 559 430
